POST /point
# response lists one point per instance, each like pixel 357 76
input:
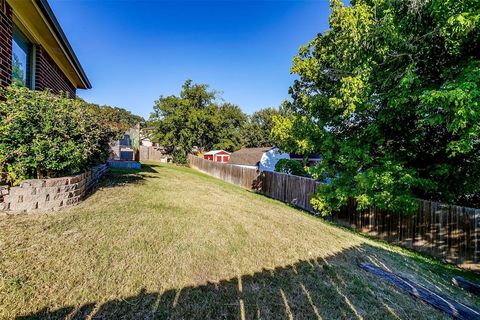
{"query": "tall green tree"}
pixel 195 118
pixel 257 130
pixel 390 97
pixel 115 119
pixel 230 122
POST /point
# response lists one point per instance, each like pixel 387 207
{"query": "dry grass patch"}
pixel 168 242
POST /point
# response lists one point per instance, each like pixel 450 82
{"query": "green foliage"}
pixel 17 72
pixel 196 119
pixel 114 119
pixel 293 167
pixel 45 135
pixel 229 121
pixel 455 105
pixel 257 130
pixel 390 97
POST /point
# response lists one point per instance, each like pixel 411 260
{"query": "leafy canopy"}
pixel 390 97
pixel 289 166
pixel 196 119
pixel 46 135
pixel 199 119
pixel 258 129
pixel 115 119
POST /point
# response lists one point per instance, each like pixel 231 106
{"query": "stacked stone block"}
pixel 50 194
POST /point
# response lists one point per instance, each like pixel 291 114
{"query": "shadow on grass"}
pixel 328 288
pixel 117 177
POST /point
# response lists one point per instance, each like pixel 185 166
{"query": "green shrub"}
pixel 43 135
pixel 293 167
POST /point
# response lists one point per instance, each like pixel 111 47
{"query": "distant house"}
pixel 127 147
pixel 146 141
pixel 263 159
pixel 217 155
pixel 123 149
pixel 147 135
pixel 34 51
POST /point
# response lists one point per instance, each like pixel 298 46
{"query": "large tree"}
pixel 390 97
pixel 115 119
pixel 196 118
pixel 229 122
pixel 258 129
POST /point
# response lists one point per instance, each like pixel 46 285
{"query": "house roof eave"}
pixel 36 19
pixel 52 20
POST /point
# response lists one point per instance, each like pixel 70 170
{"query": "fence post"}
pixel 476 244
pixel 447 232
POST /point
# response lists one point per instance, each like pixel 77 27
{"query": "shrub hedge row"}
pixel 43 135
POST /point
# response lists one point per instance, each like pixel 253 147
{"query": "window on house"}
pixel 21 59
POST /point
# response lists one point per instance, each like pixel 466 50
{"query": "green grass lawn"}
pixel 169 242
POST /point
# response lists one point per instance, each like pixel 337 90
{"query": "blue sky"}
pixel 135 51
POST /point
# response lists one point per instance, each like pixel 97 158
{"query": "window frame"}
pixel 25 44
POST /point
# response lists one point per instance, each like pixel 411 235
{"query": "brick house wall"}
pixel 48 74
pixel 6 31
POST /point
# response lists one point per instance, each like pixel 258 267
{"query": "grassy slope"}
pixel 169 241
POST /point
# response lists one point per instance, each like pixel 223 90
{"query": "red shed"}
pixel 217 155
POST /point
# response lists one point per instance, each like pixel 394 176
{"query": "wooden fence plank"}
pixel 444 231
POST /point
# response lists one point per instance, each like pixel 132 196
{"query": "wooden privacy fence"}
pixel 287 188
pixel 241 176
pixel 152 154
pixel 444 231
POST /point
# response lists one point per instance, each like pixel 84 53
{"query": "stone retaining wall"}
pixel 50 194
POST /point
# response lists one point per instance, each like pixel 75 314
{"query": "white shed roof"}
pixel 215 152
